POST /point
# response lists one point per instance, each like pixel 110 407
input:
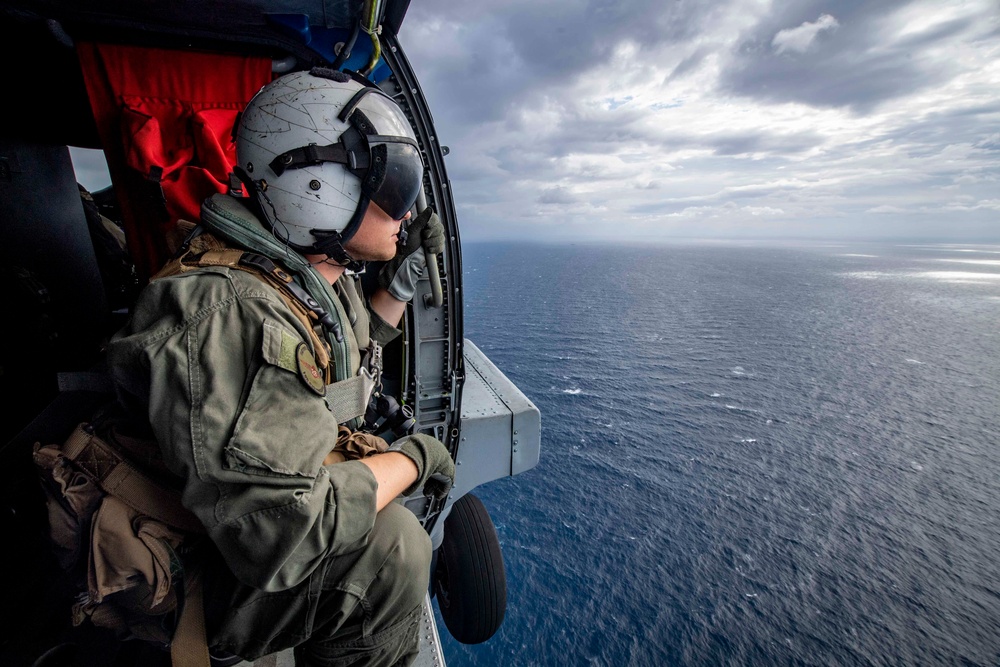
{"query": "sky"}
pixel 651 120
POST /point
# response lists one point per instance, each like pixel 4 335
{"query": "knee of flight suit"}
pixel 403 578
pixel 389 581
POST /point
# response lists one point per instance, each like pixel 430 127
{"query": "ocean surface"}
pixel 751 454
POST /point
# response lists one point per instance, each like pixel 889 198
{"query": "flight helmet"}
pixel 315 148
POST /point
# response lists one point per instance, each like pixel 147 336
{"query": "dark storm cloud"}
pixel 854 64
pixel 509 52
pixel 674 112
pixel 559 39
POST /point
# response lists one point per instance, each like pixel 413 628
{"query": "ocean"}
pixel 752 454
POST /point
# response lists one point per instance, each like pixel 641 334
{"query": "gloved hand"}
pixel 435 467
pixel 424 236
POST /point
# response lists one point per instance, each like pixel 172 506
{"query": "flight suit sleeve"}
pixel 380 331
pixel 223 368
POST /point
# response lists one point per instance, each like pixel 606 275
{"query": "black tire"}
pixel 470 581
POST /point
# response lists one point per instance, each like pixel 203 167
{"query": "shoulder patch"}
pixel 287 351
pixel 308 370
pixel 279 346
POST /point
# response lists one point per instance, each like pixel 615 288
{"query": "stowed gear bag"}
pixel 118 527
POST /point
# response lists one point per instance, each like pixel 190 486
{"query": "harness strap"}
pixel 189 647
pixel 278 278
pixel 349 399
pixel 117 477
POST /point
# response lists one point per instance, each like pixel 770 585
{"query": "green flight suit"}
pixel 212 358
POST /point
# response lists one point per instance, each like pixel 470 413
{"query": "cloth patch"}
pixel 280 347
pixel 308 370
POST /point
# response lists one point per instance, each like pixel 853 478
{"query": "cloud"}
pixel 880 52
pixel 986 204
pixel 990 143
pixel 582 118
pixel 761 142
pixel 91 168
pixel 557 195
pixel 800 39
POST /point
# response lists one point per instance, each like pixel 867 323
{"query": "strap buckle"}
pixel 375 366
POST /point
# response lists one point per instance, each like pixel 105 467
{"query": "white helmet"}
pixel 316 147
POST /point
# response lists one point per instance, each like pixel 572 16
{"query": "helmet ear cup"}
pixel 313 183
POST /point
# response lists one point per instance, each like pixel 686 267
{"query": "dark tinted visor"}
pixel 404 175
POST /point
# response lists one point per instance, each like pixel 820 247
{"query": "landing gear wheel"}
pixel 470 581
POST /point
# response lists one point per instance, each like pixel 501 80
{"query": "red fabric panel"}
pixel 166 115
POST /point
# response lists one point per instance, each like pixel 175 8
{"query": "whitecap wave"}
pixel 739 408
pixel 572 392
pixel 958 276
pixel 983 262
pixel 868 275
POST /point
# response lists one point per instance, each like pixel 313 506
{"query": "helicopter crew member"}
pixel 255 345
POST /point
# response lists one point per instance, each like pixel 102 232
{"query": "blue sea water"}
pixel 751 454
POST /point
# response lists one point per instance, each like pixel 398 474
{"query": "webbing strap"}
pixel 232 219
pixel 227 257
pixel 189 647
pixel 349 399
pixel 277 278
pixel 117 477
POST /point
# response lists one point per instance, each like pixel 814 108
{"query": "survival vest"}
pixel 349 398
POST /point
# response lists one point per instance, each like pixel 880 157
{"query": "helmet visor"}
pixel 395 188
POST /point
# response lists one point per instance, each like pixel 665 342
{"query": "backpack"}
pixel 119 530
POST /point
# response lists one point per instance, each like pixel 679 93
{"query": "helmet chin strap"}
pixel 331 244
pixel 335 252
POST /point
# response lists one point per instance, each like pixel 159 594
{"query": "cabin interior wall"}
pixel 44 93
pixel 56 307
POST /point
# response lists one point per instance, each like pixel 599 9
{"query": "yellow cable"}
pixel 373 31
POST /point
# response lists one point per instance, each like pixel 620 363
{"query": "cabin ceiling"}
pixel 49 100
pixel 243 21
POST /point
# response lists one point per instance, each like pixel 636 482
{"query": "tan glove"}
pixel 355 445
